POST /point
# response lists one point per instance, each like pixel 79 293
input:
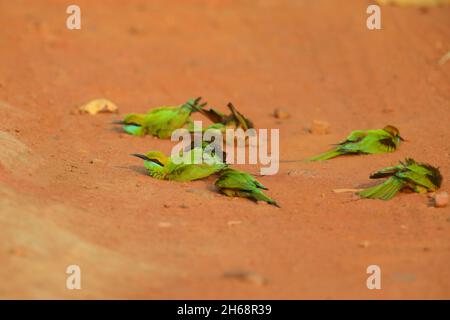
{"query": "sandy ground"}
pixel 71 194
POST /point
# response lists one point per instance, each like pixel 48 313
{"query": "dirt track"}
pixel 71 194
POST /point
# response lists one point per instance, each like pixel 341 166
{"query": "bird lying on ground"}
pixel 418 177
pixel 234 183
pixel 161 121
pixel 365 142
pixel 161 167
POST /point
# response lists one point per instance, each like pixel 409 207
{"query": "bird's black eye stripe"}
pixel 156 161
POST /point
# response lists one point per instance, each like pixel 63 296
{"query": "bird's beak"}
pixel 401 139
pixel 118 122
pixel 141 156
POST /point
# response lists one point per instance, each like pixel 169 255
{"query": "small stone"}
pixel 183 206
pixel 18 251
pixel 234 222
pixel 164 224
pixel 246 276
pixel 441 199
pixel 281 114
pixel 166 205
pixel 320 127
pixel 388 109
pixel 364 244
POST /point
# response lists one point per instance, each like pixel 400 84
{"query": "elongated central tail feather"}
pixel 326 155
pixel 384 191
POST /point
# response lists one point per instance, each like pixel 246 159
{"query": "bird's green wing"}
pixel 234 180
pixel 162 122
pixel 258 184
pixel 135 118
pixel 155 170
pixel 417 178
pixel 432 174
pixel 419 168
pixel 250 179
pixel 189 172
pixel 240 184
pixel 354 136
pixel 384 191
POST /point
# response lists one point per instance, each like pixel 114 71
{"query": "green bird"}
pixel 222 121
pixel 161 167
pixel 365 142
pixel 210 148
pixel 234 183
pixel 419 177
pixel 161 121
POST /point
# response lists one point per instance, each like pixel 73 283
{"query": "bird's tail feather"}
pixel 384 191
pixel 259 196
pixel 193 104
pixel 326 155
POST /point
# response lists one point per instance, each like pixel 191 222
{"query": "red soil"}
pixel 73 195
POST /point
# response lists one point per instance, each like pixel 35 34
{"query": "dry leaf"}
pixel 98 106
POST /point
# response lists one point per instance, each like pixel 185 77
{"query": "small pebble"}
pixel 364 244
pixel 234 222
pixel 164 224
pixel 18 251
pixel 320 127
pixel 441 199
pixel 281 114
pixel 246 276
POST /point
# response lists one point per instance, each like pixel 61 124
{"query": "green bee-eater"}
pixel 160 166
pixel 221 121
pixel 419 177
pixel 234 183
pixel 161 121
pixel 365 142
